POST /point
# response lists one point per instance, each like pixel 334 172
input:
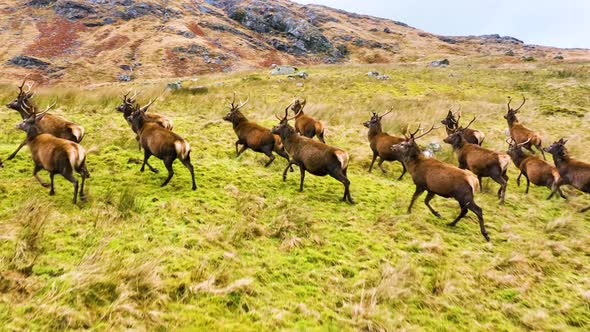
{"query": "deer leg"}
pixel 542 152
pixel 168 162
pixel 146 155
pixel 461 215
pixel 187 163
pixel 340 175
pixel 286 168
pixel 321 137
pixel 429 197
pixel 270 155
pixel 302 169
pixel 380 165
pixel 477 210
pixel 585 209
pixel 518 179
pixel 285 155
pixel 52 190
pixel 417 193
pixel 242 149
pixel 70 177
pixel 12 155
pixel 503 184
pixel 403 171
pixel 480 183
pixel 561 193
pixel 528 184
pixel 35 171
pixel 82 194
pixel 373 161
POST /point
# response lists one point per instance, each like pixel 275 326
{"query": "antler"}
pixel 233 101
pixel 390 110
pixel 521 105
pixel 145 108
pixel 469 124
pixel 244 103
pixel 46 110
pixel 426 133
pixel 20 87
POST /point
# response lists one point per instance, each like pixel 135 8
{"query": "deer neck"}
pixel 240 119
pixel 561 159
pixel 374 131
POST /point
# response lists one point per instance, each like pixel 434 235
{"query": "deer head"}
pixel 234 110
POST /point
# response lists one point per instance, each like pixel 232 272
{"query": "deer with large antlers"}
pixel 481 161
pixel 312 156
pixel 129 106
pixel 520 133
pixel 381 142
pixel 53 154
pixel 439 178
pixel 305 124
pixel 571 171
pixel 451 123
pixel 252 135
pixel 534 169
pixel 162 143
pixel 48 123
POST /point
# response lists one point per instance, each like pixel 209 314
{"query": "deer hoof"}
pixel 51 193
pixel 155 170
pixel 436 214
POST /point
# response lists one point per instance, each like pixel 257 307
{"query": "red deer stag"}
pixel 305 124
pixel 451 123
pixel 129 106
pixel 439 178
pixel 253 136
pixel 163 144
pixel 55 155
pixel 534 169
pixel 481 161
pixel 381 143
pixel 48 123
pixel 312 156
pixel 520 133
pixel 571 171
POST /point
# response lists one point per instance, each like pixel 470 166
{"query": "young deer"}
pixel 472 136
pixel 381 143
pixel 305 124
pixel 481 161
pixel 55 155
pixel 534 169
pixel 253 136
pixel 48 123
pixel 520 133
pixel 163 144
pixel 439 178
pixel 312 156
pixel 573 172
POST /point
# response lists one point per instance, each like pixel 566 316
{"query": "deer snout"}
pixel 227 117
pixel 367 124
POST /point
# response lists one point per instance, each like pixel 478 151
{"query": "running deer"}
pixel 312 156
pixel 53 154
pixel 481 161
pixel 162 143
pixel 451 123
pixel 571 171
pixel 534 169
pixel 48 123
pixel 253 136
pixel 439 178
pixel 381 142
pixel 520 133
pixel 305 124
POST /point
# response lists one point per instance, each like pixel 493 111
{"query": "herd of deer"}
pixel 54 145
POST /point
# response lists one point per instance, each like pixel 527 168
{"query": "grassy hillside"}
pixel 247 251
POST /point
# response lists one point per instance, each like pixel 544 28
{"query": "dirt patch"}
pixel 196 29
pixel 56 38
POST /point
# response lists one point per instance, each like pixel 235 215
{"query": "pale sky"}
pixel 560 23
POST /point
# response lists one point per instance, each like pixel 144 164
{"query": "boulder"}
pixel 174 85
pixel 387 30
pixel 283 70
pixel 124 77
pixel 73 10
pixel 558 57
pixel 28 62
pixel 373 74
pixel 440 63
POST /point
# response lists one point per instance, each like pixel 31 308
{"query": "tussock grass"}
pixel 247 251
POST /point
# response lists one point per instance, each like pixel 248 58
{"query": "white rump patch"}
pixel 343 157
pixel 504 160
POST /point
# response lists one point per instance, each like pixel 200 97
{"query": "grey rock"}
pixel 174 85
pixel 123 77
pixel 440 63
pixel 509 53
pixel 558 57
pixel 73 10
pixel 387 30
pixel 28 62
pixel 283 70
pixel 383 77
pixel 373 74
pixel 126 67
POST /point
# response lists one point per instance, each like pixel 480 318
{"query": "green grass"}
pixel 246 251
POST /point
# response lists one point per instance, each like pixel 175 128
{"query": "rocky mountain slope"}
pixel 106 40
